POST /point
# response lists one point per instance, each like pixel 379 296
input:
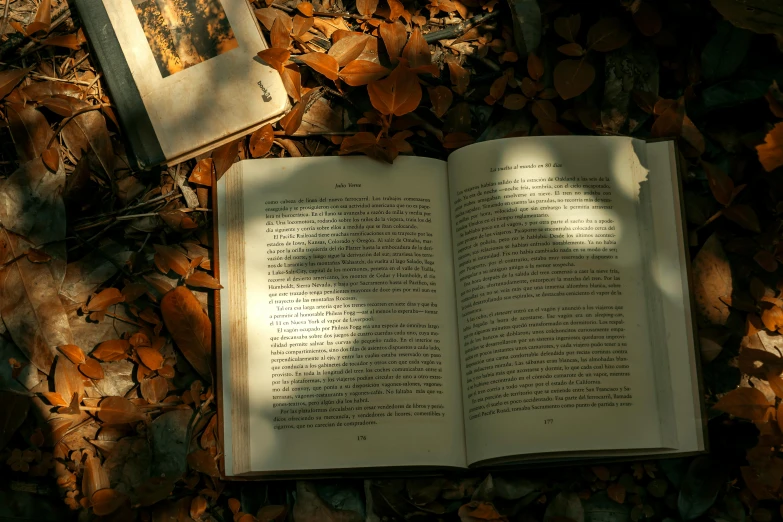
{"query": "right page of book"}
pixel 556 347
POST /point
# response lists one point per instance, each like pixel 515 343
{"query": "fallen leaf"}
pixel 105 299
pixel 743 215
pixel 322 63
pixel 416 51
pixel 223 157
pixel 460 78
pixel 712 281
pixel 607 34
pixel 107 501
pixel 151 357
pixel 275 57
pixel 154 389
pixel 526 20
pixel 476 510
pixel 190 327
pixel 112 350
pixel 647 19
pixel 394 37
pixel 29 130
pixel 280 35
pixel 700 486
pixel 203 280
pixel 398 94
pixel 535 67
pixel 171 258
pixel 573 77
pixel 455 140
pixel 720 183
pixel 366 7
pixel 88 131
pixel 73 353
pixel 347 49
pixel 747 403
pixel 261 142
pixel 43 18
pixel 616 492
pixel 10 78
pixel 362 72
pixel 71 41
pixel 441 99
pixel 203 462
pixel 118 410
pixel 568 27
pixel 92 369
pixel 202 172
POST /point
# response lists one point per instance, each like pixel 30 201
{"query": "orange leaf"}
pixel 616 492
pixel 347 49
pixel 366 7
pixel 118 410
pixel 9 79
pixel 202 172
pixel 107 501
pixel 514 102
pixel 51 158
pixel 224 156
pixel 362 72
pixel 535 67
pixel 293 118
pixel 607 34
pixel 55 399
pixel 67 379
pixel 151 357
pixel 396 9
pixel 261 142
pixel 416 51
pixel 771 151
pixel 92 369
pixel 306 8
pixel 497 89
pixel 105 299
pixel 398 94
pixel 748 403
pixel 71 41
pixel 568 28
pixel 73 352
pixel 190 327
pixel 292 81
pixel 275 57
pixel 481 511
pixel 279 35
pixel 441 99
pixel 367 143
pixel 203 462
pixel 302 25
pixel 199 504
pixel 573 77
pixel 95 477
pixel 154 389
pixel 776 383
pixel 203 280
pixel 43 18
pixel 112 350
pixel 393 36
pixel 322 63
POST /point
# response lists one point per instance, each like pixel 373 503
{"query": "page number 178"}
pixel 549 421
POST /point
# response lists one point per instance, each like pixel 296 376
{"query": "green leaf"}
pixel 725 51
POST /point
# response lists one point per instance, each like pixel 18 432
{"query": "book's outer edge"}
pixel 145 150
pixel 217 330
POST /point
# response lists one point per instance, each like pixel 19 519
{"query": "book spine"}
pixel 145 150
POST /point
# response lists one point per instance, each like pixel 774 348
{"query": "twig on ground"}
pixel 459 29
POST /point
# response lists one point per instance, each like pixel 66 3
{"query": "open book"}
pixel 526 300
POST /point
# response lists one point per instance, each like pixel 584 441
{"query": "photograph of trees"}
pixel 183 33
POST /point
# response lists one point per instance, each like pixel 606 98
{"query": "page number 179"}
pixel 549 421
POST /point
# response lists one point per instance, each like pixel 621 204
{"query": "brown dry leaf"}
pixel 203 280
pixel 771 151
pixel 51 158
pixel 720 183
pixel 280 35
pixel 544 110
pixel 107 501
pixel 747 403
pixel 306 8
pixel 199 504
pixel 260 143
pixel 616 492
pixel 394 36
pixel 275 57
pixel 43 18
pixel 712 280
pixel 396 10
pixel 776 383
pixel 571 49
pixel 55 399
pixel 514 102
pixel 568 28
pixel 292 80
pixel 224 156
pixel 112 350
pixel 173 259
pixel 271 513
pixel 203 462
pixel 10 78
pixel 30 131
pixel 573 77
pixel 67 379
pixel 73 353
pixel 455 140
pixel 743 215
pixel 535 67
pixel 398 94
pixel 647 19
pixel 382 149
pixel 58 105
pixel 88 131
pixel 441 99
pixel 293 118
pixel 202 173
pixel 322 63
pixel 71 41
pixel 347 49
pixel 416 51
pixel 366 7
pixel 92 369
pixel 362 72
pixel 496 90
pixel 607 34
pixel 480 511
pixel 460 78
pixel 190 327
pixel 766 260
pixel 301 25
pixel 118 410
pixel 154 389
pixel 151 357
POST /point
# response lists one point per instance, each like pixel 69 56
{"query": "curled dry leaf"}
pixel 202 172
pixel 43 18
pixel 51 158
pixel 362 72
pixel 67 379
pixel 280 35
pixel 743 215
pixel 203 280
pixel 261 141
pixel 771 151
pixel 95 477
pixel 171 258
pixel 720 183
pixel 573 77
pixel 105 299
pixel 398 94
pixel 118 410
pixel 190 327
pixel 199 504
pixel 92 369
pixel 224 157
pixel 306 8
pixel 275 57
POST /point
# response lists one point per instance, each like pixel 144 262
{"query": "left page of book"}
pixel 350 324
